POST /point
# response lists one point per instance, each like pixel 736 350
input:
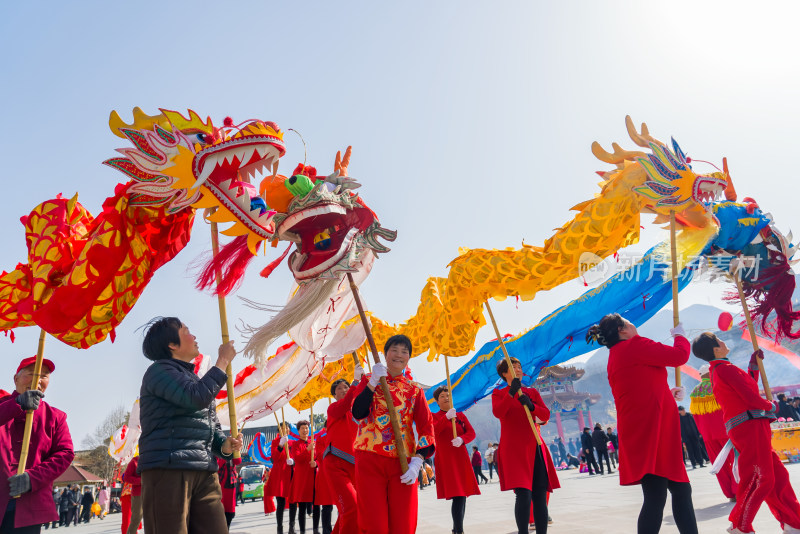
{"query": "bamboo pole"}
pixel 26 436
pixel 398 436
pixel 511 368
pixel 223 322
pixel 450 393
pixel 311 431
pixel 753 339
pixel 673 248
pixel 288 456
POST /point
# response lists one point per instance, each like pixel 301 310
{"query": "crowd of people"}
pixel 184 478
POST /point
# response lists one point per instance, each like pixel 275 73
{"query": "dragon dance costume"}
pixel 340 467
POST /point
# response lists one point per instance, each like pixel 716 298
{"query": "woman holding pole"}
pixel 387 495
pixel 280 478
pixel 524 465
pixel 651 454
pixel 454 477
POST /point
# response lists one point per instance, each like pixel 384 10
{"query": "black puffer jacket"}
pixel 180 429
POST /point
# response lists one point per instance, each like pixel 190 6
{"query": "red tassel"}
pixel 232 262
pixel 274 263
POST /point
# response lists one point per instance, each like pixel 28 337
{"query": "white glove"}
pixel 457 442
pixel 678 331
pixel 678 393
pixel 290 462
pixel 451 413
pixel 414 465
pixel 378 372
pixel 358 372
pixel 283 441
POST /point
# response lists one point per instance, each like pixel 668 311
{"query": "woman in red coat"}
pixel 323 497
pixel 228 480
pixel 648 424
pixel 523 465
pixel 454 477
pixel 269 503
pixel 280 478
pixel 302 493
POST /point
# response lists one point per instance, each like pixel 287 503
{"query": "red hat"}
pixel 32 360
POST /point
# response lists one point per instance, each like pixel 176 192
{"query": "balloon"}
pixel 725 321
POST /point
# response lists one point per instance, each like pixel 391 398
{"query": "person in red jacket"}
pixel 340 468
pixel 229 481
pixel 135 513
pixel 454 477
pixel 301 494
pixel 708 416
pixel 650 454
pixel 387 497
pixel 323 496
pixel 280 478
pixel 49 454
pixel 269 502
pixel 762 476
pixel 524 466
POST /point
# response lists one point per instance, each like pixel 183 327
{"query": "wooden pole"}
pixel 223 322
pixel 288 456
pixel 673 248
pixel 398 436
pixel 26 436
pixel 511 368
pixel 450 393
pixel 753 339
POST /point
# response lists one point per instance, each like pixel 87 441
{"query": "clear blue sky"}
pixel 471 124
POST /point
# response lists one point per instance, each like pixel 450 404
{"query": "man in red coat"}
pixel 340 468
pixel 301 494
pixel 708 416
pixel 523 466
pixel 454 477
pixel 49 454
pixel 280 478
pixel 762 476
pixel 229 482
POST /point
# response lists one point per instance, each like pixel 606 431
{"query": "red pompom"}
pixel 231 262
pixel 306 170
pixel 227 122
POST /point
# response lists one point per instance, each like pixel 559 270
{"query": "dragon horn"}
pixel 141 121
pixel 643 138
pixel 730 192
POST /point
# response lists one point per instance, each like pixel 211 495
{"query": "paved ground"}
pixel 583 505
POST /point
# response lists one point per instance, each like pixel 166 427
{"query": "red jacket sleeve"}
pixel 341 408
pixel 540 408
pixel 131 476
pixel 740 383
pixel 9 409
pixel 57 459
pixel 467 433
pixel 501 402
pixel 657 354
pixel 423 421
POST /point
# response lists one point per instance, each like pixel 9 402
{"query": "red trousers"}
pixel 762 478
pixel 341 480
pixel 269 504
pixel 385 505
pixel 125 501
pixel 724 477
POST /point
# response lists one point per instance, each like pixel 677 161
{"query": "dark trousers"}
pixel 537 496
pixel 176 501
pixel 7 527
pixel 602 452
pixel 693 450
pixel 491 468
pixel 479 474
pixel 458 508
pixel 590 461
pixel 655 490
pixel 86 513
pixel 229 517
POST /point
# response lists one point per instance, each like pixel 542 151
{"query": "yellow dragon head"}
pixel 664 179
